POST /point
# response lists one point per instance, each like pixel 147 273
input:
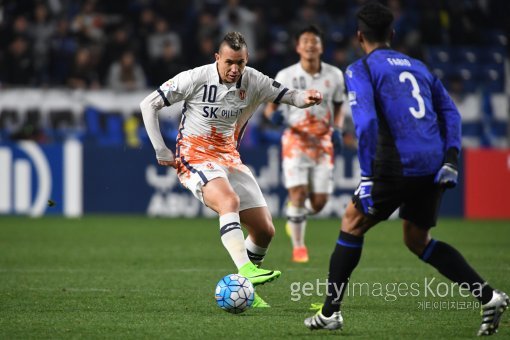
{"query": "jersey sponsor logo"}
pixel 327 83
pixel 349 73
pixel 214 112
pixel 210 112
pixel 276 84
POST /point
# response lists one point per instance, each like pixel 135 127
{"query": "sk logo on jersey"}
pixel 209 166
pixel 242 94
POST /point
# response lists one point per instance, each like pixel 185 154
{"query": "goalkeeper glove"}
pixel 364 193
pixel 337 139
pixel 447 176
pixel 277 118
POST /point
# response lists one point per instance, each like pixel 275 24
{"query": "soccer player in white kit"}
pixel 307 143
pixel 219 99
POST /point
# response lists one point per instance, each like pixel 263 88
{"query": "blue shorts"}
pixel 418 198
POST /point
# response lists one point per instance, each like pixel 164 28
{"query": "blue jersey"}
pixel 404 118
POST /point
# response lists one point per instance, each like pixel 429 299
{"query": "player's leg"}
pixel 219 196
pixel 321 184
pixel 356 222
pixel 260 228
pixel 296 221
pixel 446 259
pixel 209 183
pixel 420 214
pixel 317 202
pixel 255 216
pixel 343 261
pixel 449 262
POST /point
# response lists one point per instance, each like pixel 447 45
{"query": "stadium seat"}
pixel 468 54
pixel 439 55
pixel 492 77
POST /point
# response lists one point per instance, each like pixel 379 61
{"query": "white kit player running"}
pixel 308 140
pixel 218 100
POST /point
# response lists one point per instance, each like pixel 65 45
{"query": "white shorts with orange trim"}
pixel 241 179
pixel 303 171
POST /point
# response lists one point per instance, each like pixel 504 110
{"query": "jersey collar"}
pixel 316 75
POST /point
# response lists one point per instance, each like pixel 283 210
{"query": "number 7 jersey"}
pixel 404 118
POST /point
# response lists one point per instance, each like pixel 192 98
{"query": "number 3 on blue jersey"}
pixel 420 113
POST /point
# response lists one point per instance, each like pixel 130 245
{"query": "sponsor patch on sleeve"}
pixel 169 86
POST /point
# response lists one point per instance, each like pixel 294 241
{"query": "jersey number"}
pixel 420 113
pixel 210 95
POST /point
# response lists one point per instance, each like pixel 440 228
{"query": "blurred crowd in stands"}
pixel 136 45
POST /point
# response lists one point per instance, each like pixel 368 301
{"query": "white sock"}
pixel 255 253
pixel 232 238
pixel 296 218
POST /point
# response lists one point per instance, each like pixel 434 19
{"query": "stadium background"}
pixel 73 72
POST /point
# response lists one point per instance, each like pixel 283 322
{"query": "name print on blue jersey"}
pixel 399 62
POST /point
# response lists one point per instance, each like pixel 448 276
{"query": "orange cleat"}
pixel 300 255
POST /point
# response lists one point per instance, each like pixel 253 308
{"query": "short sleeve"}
pixel 176 89
pixel 339 94
pixel 269 90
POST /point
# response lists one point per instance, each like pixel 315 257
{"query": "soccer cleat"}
pixel 258 276
pixel 319 321
pixel 316 306
pixel 300 254
pixel 258 302
pixel 491 313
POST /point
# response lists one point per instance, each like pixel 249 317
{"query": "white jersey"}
pixel 307 140
pixel 315 120
pixel 215 114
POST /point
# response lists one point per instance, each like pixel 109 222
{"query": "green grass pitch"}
pixel 136 277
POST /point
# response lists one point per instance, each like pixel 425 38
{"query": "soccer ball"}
pixel 234 293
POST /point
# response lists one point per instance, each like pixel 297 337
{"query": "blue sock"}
pixel 344 259
pixel 449 262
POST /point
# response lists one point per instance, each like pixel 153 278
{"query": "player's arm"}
pixel 338 100
pixel 270 90
pixel 448 116
pixel 362 101
pixel 150 107
pixel 450 123
pixel 338 116
pixel 170 92
pixel 302 98
pixel 337 136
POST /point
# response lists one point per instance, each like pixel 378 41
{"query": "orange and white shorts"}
pixel 304 171
pixel 240 178
pixel 308 161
